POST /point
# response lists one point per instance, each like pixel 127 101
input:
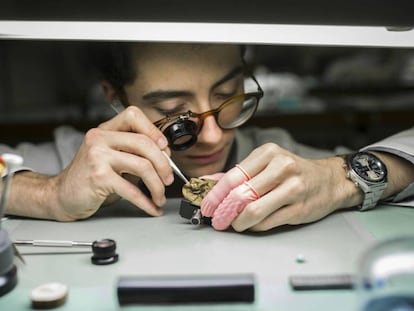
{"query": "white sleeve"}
pixel 402 145
pixel 48 158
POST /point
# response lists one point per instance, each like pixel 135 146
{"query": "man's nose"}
pixel 210 132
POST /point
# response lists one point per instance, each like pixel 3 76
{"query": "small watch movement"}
pixel 194 191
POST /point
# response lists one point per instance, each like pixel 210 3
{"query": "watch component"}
pixel 193 213
pixel 197 189
pixel 194 192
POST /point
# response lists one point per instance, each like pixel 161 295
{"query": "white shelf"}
pixel 327 35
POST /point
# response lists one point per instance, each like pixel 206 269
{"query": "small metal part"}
pixel 187 209
pixel 193 213
pixel 196 219
pixel 117 106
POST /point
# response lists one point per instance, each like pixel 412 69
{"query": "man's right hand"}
pixel 128 144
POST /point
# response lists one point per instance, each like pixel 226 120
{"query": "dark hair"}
pixel 113 62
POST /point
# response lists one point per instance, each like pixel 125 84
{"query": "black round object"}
pixel 181 135
pixel 104 252
pixel 195 221
pixel 8 280
pixel 369 167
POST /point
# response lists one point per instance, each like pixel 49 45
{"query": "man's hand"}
pixel 283 189
pixel 128 144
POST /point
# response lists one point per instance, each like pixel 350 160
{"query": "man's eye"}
pixel 166 112
pixel 224 96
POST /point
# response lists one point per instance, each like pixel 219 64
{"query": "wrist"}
pixel 348 193
pixel 27 195
pixel 61 198
pixel 54 205
pixel 34 195
pixel 337 191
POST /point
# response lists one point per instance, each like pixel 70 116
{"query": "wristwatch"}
pixel 369 174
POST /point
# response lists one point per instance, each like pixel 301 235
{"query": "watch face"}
pixel 368 167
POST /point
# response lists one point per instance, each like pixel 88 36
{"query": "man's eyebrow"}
pixel 160 95
pixel 234 72
pixel 165 94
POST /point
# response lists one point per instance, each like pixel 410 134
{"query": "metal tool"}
pixel 118 108
pixel 52 243
pixel 104 250
pixel 176 169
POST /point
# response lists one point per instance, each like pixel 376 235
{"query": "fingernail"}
pixel 162 201
pixel 169 179
pixel 162 143
pixel 160 211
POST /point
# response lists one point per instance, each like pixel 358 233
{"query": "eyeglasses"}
pixel 181 129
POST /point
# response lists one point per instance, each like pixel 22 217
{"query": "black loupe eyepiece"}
pixel 181 135
pixel 104 252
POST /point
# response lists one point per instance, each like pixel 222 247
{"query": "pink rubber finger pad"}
pixel 230 180
pixel 232 206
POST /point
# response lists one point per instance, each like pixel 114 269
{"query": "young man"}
pixel 277 181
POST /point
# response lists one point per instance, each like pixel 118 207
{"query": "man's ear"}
pixel 109 91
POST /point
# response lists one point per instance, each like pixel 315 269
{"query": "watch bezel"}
pixel 379 163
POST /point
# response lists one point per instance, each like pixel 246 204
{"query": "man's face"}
pixel 177 78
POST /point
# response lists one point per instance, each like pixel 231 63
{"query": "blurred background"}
pixel 325 96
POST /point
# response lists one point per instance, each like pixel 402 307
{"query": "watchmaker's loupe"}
pixel 385 280
pixel 182 134
pixel 104 252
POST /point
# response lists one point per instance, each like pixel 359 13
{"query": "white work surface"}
pixel 170 245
